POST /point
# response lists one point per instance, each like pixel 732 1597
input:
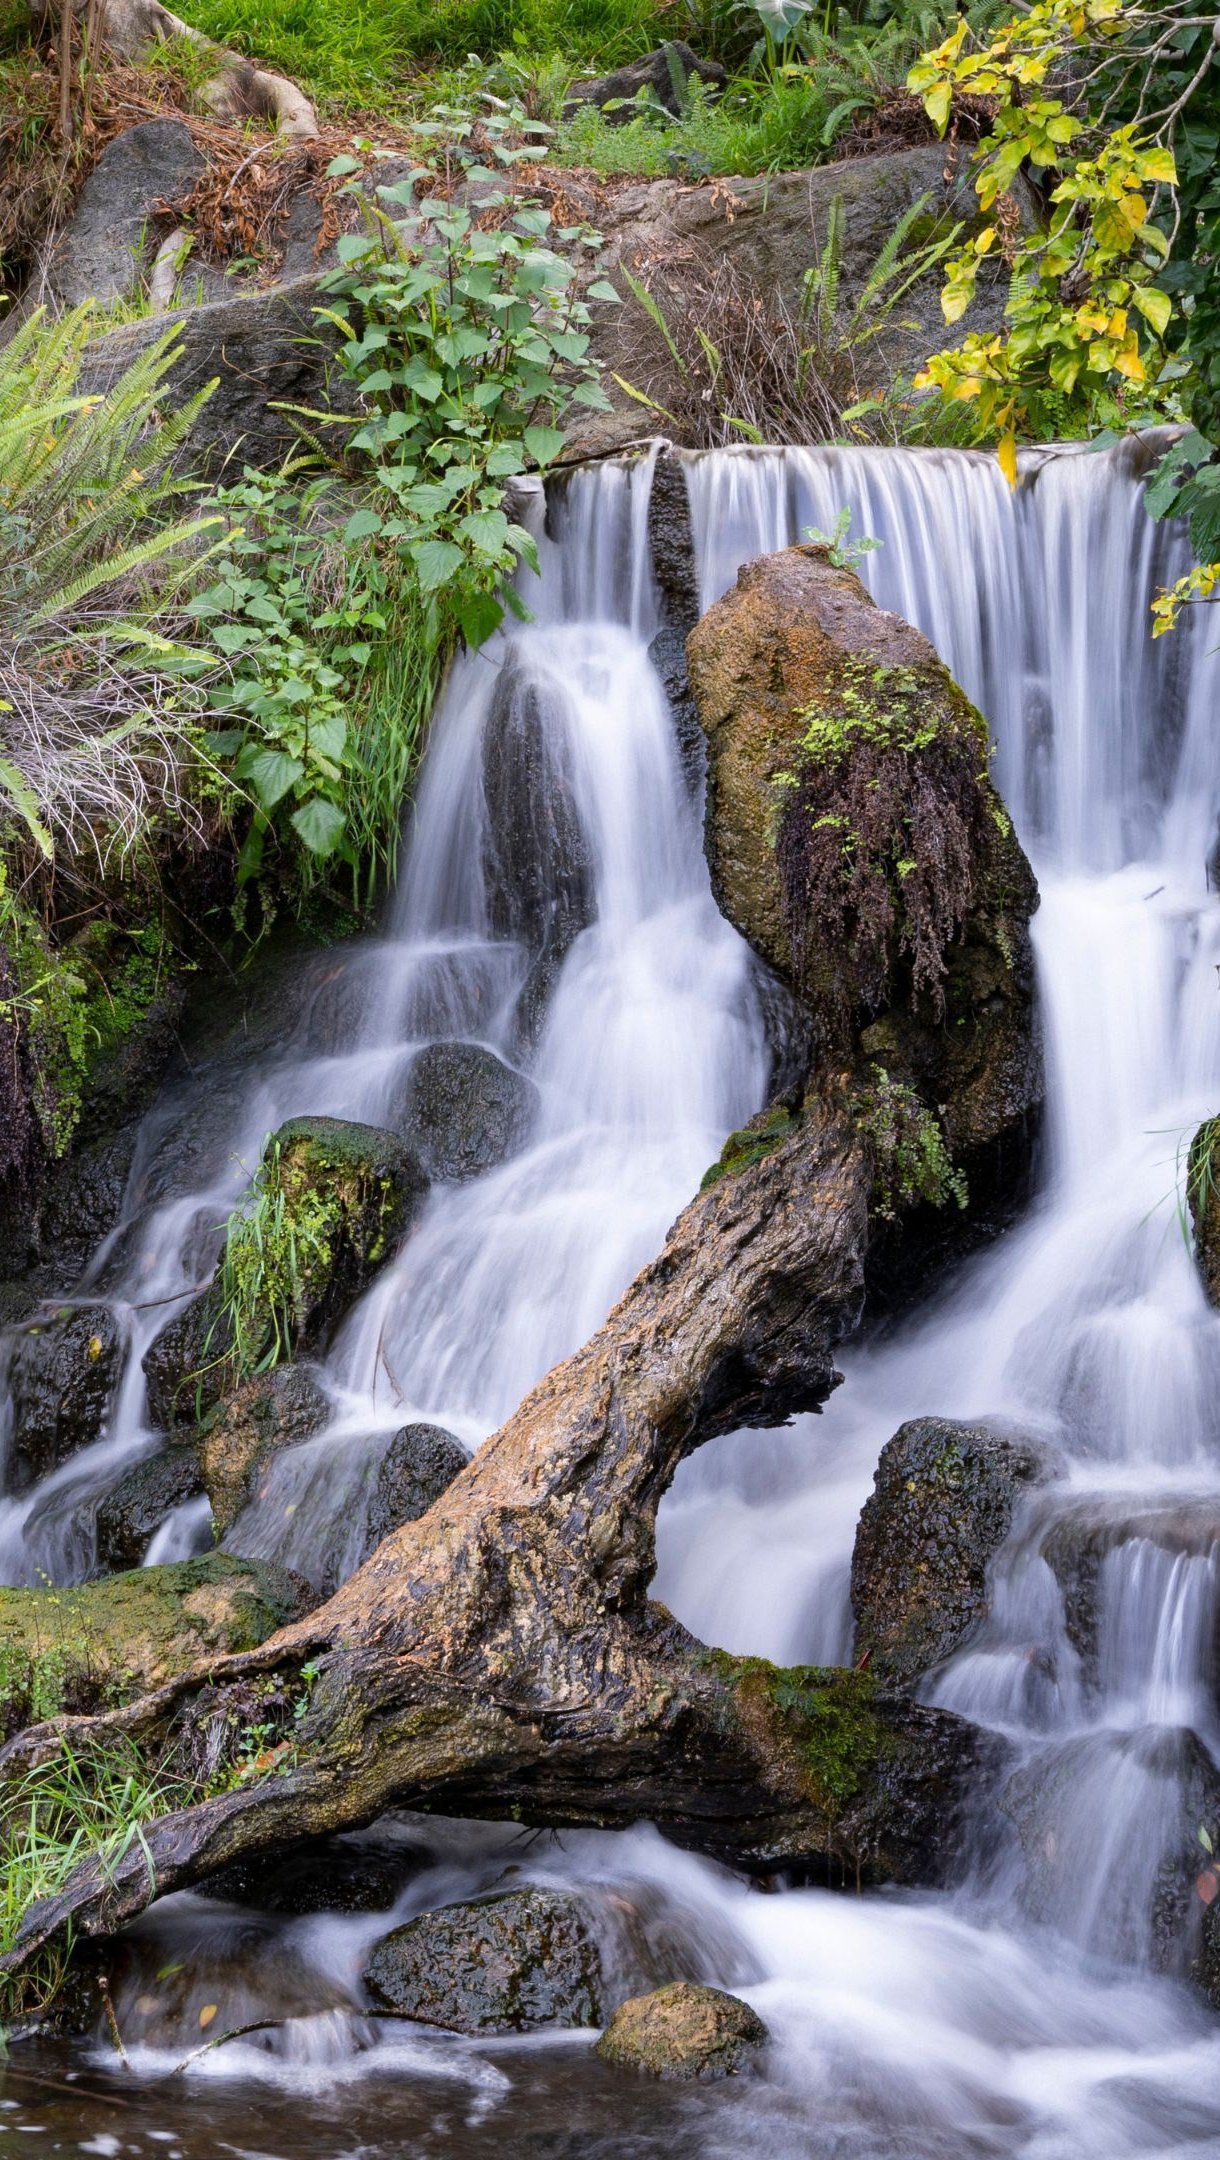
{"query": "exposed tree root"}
pixel 238 90
pixel 501 1657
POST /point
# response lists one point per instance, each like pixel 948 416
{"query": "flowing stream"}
pixel 555 909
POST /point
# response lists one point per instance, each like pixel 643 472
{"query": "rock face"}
pixel 333 1875
pixel 135 1508
pixel 64 1366
pixel 942 1504
pixel 84 1649
pixel 504 1964
pixel 1079 1542
pixel 272 1411
pixel 664 72
pixel 464 1110
pixel 417 1467
pixel 265 350
pixel 1203 1194
pixel 185 1368
pixel 101 252
pixel 685 2032
pixel 794 639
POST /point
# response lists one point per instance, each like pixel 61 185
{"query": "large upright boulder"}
pixel 856 841
pixel 942 1504
pixel 102 251
pixel 64 1364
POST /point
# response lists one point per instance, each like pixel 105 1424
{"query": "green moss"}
pixel 910 1159
pixel 743 1149
pixel 824 1713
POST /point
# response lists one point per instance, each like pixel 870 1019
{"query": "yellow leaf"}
pixel 984 240
pixel 938 104
pixel 1128 362
pixel 1134 209
pixel 1006 452
pixel 207 2013
pixel 966 387
pixel 1117 323
pixel 1158 164
pixel 95 1346
pixel 1155 307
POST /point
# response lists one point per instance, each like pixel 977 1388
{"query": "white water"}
pixel 1019 2018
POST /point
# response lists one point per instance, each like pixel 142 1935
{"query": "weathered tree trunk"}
pixel 129 28
pixel 501 1656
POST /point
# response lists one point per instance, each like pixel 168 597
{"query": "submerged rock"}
pixel 683 2031
pixel 1082 1544
pixel 273 1411
pixel 465 1110
pixel 134 1509
pixel 942 1504
pixel 502 1964
pixel 64 1366
pixel 417 1467
pixel 91 1648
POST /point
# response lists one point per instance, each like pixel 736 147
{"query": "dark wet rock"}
pixel 417 1467
pixel 1205 1968
pixel 185 1366
pixel 83 1201
pixel 64 1366
pixel 536 866
pixel 102 1644
pixel 134 1509
pixel 1079 1542
pixel 266 1414
pixel 665 73
pixel 334 1875
pixel 101 253
pixel 465 1110
pixel 502 1964
pixel 1203 1194
pixel 942 1504
pixel 1139 1896
pixel 683 2031
pixel 675 572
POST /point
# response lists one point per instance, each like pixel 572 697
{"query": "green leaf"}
pixel 486 530
pixel 319 824
pixel 478 614
pixel 271 773
pixel 425 381
pixel 361 526
pixel 339 167
pixel 22 796
pixel 328 736
pixel 544 444
pixel 436 561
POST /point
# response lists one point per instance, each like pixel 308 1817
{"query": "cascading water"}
pixel 556 910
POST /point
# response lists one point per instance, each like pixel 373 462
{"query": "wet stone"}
pixel 507 1963
pixel 331 1875
pixel 465 1110
pixel 133 1510
pixel 64 1366
pixel 417 1467
pixel 683 2031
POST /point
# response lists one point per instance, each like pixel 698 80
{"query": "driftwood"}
pixel 501 1657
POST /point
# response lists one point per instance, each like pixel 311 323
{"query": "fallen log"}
pixel 501 1657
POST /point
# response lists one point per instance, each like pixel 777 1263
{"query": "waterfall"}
pixel 555 909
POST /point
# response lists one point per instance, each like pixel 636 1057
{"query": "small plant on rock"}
pixel 911 1161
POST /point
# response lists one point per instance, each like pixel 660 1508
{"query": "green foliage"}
pixel 278 1244
pixel 842 553
pixel 879 828
pixel 824 1713
pixel 910 1160
pixel 470 343
pixel 361 52
pixel 48 1003
pixel 70 1807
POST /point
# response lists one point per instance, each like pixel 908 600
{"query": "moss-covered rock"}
pixel 502 1964
pixel 923 966
pixel 942 1504
pixel 135 1508
pixel 464 1110
pixel 1203 1194
pixel 332 1200
pixel 683 2031
pixel 273 1411
pixel 112 1640
pixel 64 1366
